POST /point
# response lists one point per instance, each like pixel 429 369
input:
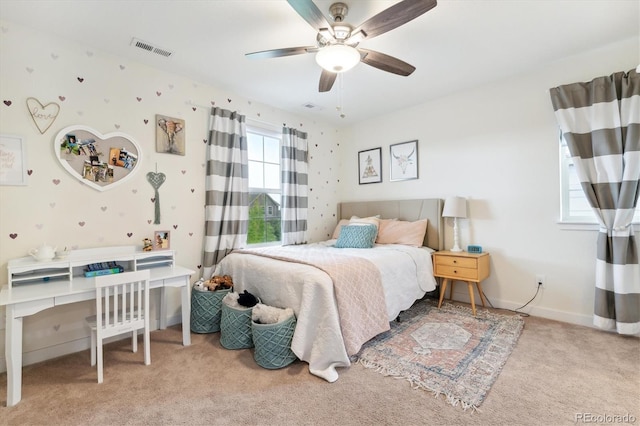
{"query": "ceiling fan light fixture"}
pixel 337 58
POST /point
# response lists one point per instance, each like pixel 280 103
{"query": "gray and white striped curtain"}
pixel 600 121
pixel 227 187
pixel 294 186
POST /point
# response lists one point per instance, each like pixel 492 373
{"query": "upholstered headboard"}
pixel 411 210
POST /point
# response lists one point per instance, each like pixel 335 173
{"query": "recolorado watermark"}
pixel 604 418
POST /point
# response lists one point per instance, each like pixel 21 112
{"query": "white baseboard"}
pixel 548 313
pixel 552 314
pixel 78 345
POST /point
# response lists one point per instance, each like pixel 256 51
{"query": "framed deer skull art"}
pixel 404 161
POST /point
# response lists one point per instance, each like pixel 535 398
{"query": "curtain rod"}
pixel 261 123
pixel 258 123
pixel 207 107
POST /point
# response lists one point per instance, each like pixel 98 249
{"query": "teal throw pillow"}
pixel 357 236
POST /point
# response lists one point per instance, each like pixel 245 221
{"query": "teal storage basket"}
pixel 273 343
pixel 206 310
pixel 235 327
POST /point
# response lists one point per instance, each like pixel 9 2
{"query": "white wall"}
pixel 33 64
pixel 497 145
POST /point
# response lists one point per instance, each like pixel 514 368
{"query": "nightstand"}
pixel 461 266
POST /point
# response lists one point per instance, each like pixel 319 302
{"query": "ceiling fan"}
pixel 336 45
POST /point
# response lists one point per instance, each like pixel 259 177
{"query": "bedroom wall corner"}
pixel 497 145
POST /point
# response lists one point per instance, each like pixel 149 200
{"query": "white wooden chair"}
pixel 122 306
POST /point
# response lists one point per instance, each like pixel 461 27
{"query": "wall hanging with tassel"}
pixel 156 180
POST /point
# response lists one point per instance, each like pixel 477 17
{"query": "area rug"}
pixel 447 351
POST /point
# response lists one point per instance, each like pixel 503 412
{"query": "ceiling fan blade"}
pixel 394 16
pixel 385 62
pixel 310 13
pixel 327 79
pixel 276 53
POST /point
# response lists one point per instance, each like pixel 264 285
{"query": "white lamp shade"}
pixel 455 207
pixel 337 58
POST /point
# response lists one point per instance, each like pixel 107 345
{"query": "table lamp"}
pixel 455 207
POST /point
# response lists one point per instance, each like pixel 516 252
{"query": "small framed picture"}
pixel 370 166
pixel 170 135
pixel 162 240
pixel 13 160
pixel 404 161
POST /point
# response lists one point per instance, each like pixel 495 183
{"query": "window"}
pixel 574 205
pixel 264 186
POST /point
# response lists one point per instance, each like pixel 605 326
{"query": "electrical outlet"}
pixel 540 280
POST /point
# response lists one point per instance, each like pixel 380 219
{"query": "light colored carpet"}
pixel 446 350
pixel 556 372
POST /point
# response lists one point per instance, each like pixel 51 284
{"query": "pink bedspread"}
pixel 357 286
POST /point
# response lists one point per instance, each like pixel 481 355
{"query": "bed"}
pixel 339 299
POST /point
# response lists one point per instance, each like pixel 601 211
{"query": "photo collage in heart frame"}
pixel 99 161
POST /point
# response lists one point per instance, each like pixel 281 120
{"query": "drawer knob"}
pixel 455 261
pixel 455 271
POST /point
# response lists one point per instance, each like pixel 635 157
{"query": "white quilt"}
pixel 406 273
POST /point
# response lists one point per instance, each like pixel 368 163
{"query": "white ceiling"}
pixel 457 45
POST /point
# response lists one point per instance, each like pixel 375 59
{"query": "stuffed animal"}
pixel 219 282
pixel 231 300
pixel 240 300
pixel 199 285
pixel 247 299
pixel 265 314
pixel 147 245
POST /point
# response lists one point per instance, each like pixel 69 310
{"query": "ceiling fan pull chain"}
pixel 340 95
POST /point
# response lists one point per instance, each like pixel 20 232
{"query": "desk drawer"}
pixel 456 272
pixel 461 262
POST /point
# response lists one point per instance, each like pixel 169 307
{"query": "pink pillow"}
pixel 402 232
pixel 336 232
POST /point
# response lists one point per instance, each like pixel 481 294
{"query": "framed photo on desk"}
pixel 162 240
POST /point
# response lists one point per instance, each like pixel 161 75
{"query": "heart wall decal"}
pixel 42 115
pixel 99 161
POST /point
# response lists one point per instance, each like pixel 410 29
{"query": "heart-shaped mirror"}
pixel 99 161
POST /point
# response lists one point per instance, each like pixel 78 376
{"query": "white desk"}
pixel 22 301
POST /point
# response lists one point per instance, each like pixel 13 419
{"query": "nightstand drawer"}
pixel 462 262
pixel 456 272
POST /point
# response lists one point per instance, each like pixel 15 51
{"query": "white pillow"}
pixel 355 220
pixel 371 220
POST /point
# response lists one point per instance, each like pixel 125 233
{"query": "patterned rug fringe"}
pixel 417 386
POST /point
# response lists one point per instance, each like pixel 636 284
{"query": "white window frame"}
pixel 272 133
pixel 572 219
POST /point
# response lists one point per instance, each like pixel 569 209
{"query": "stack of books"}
pixel 103 268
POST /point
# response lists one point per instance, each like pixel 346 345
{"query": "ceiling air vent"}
pixel 136 42
pixel 309 105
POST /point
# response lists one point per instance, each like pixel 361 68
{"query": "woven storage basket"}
pixel 235 327
pixel 273 343
pixel 205 310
